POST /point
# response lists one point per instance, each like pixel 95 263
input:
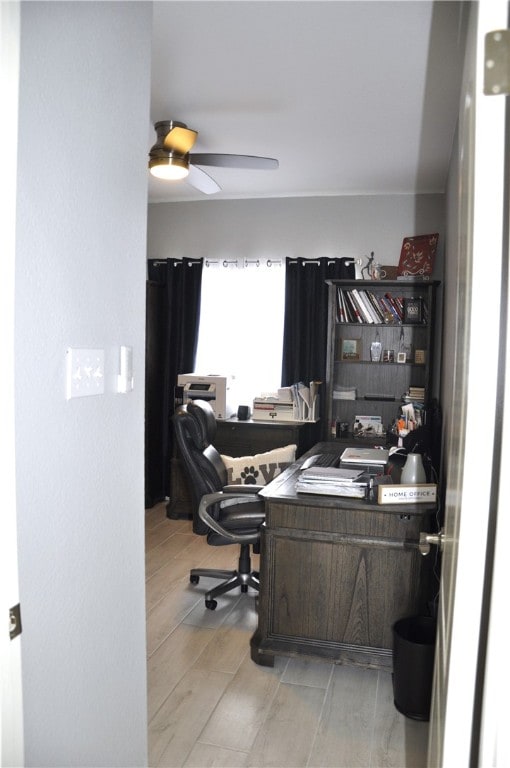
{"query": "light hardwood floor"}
pixel 210 705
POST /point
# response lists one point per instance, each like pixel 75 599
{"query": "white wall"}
pixel 294 227
pixel 80 274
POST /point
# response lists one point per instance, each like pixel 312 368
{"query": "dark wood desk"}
pixel 336 573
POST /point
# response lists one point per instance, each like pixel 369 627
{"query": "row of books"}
pixel 415 394
pixel 363 306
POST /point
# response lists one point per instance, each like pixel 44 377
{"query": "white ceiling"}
pixel 351 97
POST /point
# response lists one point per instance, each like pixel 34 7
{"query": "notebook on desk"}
pixel 366 456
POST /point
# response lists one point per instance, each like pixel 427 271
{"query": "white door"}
pixel 11 730
pixel 470 450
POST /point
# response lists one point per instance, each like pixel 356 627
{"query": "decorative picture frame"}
pixel 388 356
pixel 401 357
pixel 420 356
pixel 350 351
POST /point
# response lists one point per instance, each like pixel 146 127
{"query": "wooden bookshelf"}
pixel 399 317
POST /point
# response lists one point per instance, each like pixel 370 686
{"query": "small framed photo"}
pixel 401 357
pixel 350 350
pixel 413 311
pixel 388 355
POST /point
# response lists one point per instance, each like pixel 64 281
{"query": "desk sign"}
pixel 407 494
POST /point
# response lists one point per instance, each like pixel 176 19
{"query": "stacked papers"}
pixel 333 481
pixel 295 403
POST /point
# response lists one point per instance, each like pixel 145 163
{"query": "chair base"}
pixel 244 577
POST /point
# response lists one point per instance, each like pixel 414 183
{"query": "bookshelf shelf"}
pixel 381 362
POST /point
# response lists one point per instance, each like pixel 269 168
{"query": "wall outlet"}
pixel 84 372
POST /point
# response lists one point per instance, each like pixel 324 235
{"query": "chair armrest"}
pixel 237 489
pixel 225 500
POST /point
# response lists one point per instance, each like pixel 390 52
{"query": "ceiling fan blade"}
pixel 201 181
pixel 234 161
pixel 180 139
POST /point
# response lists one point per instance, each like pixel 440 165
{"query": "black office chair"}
pixel 225 514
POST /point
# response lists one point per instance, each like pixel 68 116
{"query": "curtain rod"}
pixel 316 262
pixel 242 263
pixel 177 262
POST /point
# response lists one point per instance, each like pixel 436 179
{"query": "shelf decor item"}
pixel 413 310
pixel 417 256
pixel 376 349
pixel 413 471
pixel 390 272
pixel 404 350
pixel 351 350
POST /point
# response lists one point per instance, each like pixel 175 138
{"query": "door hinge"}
pixel 497 63
pixel 15 621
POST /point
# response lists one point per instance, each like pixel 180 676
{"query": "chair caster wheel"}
pixel 211 604
pixel 194 579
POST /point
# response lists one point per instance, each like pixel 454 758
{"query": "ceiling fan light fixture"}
pixel 171 160
pixel 169 168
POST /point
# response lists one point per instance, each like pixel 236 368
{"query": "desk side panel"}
pixel 340 592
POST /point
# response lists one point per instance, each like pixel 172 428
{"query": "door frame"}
pixel 472 465
pixel 11 704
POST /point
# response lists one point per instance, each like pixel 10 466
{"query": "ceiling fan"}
pixel 170 158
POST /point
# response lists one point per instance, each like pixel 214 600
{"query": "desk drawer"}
pixel 359 522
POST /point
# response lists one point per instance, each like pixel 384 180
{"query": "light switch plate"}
pixel 125 377
pixel 84 372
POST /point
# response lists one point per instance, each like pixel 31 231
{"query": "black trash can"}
pixel 414 641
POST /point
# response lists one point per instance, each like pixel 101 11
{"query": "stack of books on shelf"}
pixel 363 306
pixel 415 395
pixel 334 481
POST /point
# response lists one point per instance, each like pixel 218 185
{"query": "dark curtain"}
pixel 306 317
pixel 173 318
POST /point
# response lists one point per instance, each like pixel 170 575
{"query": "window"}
pixel 241 325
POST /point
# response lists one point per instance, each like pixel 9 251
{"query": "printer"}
pixel 216 390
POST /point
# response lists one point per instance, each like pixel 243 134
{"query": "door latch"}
pixel 14 621
pixel 430 539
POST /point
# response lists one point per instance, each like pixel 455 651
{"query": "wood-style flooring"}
pixel 210 705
